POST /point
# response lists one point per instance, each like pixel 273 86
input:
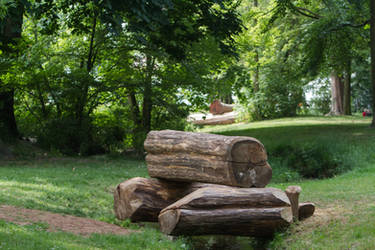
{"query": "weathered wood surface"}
pixel 227 118
pixel 212 197
pixel 260 222
pixel 142 199
pixel 232 211
pixel 217 107
pixel 306 210
pixel 186 156
pixel 293 194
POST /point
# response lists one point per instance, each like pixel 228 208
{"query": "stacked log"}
pixel 200 157
pixel 230 211
pixel 208 184
pixel 142 199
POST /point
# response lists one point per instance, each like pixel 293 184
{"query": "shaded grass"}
pixel 81 187
pixel 34 237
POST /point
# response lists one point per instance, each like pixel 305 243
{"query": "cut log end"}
pixel 306 210
pixel 189 157
pixel 168 221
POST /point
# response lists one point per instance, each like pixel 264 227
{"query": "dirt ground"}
pixel 59 222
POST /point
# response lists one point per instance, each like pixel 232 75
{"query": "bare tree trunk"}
pixel 347 90
pixel 134 108
pixel 147 94
pixel 11 30
pixel 256 59
pixel 337 95
pixel 372 45
pixel 8 125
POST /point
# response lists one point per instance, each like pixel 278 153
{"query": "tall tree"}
pixel 10 33
pixel 333 27
pixel 372 45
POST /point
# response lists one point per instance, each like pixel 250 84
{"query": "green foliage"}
pixel 278 96
pixel 312 160
pixel 112 128
pixel 321 100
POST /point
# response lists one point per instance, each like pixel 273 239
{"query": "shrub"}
pixel 312 160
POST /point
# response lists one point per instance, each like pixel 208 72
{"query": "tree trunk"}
pixel 347 90
pixel 141 199
pixel 231 211
pixel 147 94
pixel 372 46
pixel 256 59
pixel 8 125
pixel 337 94
pixel 190 157
pixel 134 108
pixel 10 30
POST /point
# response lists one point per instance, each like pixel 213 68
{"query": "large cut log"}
pixel 189 157
pixel 218 108
pixel 231 211
pixel 142 199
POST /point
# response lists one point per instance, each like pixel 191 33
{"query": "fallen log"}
pixel 189 157
pixel 218 108
pixel 142 199
pixel 230 211
pixel 227 118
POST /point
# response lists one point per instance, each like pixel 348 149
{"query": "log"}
pixel 230 211
pixel 228 118
pixel 293 194
pixel 306 210
pixel 218 108
pixel 258 222
pixel 200 157
pixel 142 199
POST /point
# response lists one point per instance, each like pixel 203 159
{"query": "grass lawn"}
pixel 345 216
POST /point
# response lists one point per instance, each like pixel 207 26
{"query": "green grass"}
pixel 80 187
pixel 34 237
pixel 345 216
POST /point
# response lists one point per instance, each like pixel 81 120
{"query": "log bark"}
pixel 259 222
pixel 190 157
pixel 293 194
pixel 218 108
pixel 306 210
pixel 230 211
pixel 142 199
pixel 228 118
pixel 336 94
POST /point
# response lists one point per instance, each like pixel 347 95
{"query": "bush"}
pixel 312 160
pixel 279 95
pixel 68 137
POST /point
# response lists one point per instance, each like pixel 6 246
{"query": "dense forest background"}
pixel 87 77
